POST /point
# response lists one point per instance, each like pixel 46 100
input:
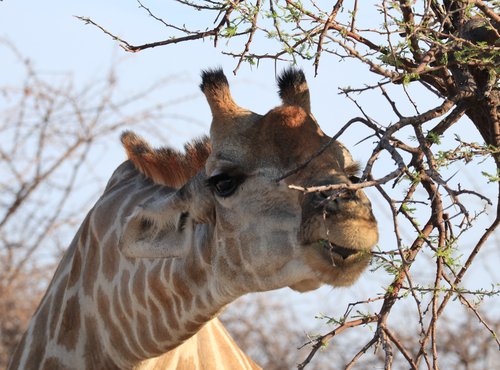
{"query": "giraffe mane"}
pixel 166 166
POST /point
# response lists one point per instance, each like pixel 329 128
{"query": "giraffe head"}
pixel 256 232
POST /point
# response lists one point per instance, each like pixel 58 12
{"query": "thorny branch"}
pixel 422 169
pixel 322 340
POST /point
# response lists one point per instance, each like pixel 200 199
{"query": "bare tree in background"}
pixel 451 49
pixel 265 327
pixel 255 323
pixel 54 136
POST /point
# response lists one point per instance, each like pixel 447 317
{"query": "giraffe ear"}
pixel 293 89
pixel 164 226
pixel 159 228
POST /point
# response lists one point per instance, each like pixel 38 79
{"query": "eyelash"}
pixel 230 184
pixel 354 179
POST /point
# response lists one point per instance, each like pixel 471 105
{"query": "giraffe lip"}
pixel 341 251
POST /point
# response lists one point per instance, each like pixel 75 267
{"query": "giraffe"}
pixel 176 237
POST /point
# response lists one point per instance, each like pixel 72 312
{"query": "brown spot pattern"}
pixel 232 249
pixel 159 291
pixel 177 306
pixel 173 323
pixel 144 334
pixel 70 324
pixel 92 263
pixel 198 302
pixel 155 284
pixel 125 293
pixel 116 337
pixel 194 272
pixel 57 302
pixel 160 332
pixel 76 268
pixel 37 351
pixel 93 350
pixel 139 284
pixel 181 287
pixel 16 358
pixel 53 363
pixel 110 260
pixel 201 319
pixel 123 320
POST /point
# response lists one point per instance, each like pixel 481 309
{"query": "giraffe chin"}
pixel 333 265
pixel 306 285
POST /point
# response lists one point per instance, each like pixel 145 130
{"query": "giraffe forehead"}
pixel 289 134
pixel 284 136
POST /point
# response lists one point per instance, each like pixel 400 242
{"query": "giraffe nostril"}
pixel 348 195
pixel 338 201
pixel 323 195
pixel 322 199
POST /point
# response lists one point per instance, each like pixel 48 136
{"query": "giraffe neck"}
pixel 103 310
pixel 211 348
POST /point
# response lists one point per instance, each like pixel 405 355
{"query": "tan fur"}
pixel 291 116
pixel 53 363
pixel 216 88
pixel 195 354
pixel 70 324
pixel 294 90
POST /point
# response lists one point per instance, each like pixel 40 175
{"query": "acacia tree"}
pixel 449 47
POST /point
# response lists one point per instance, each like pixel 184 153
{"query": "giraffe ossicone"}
pixel 176 237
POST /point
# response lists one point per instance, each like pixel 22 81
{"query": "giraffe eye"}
pixel 224 185
pixel 354 179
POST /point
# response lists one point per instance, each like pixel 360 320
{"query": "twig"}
pixel 321 150
pixel 361 352
pixel 193 36
pixel 322 35
pixel 400 346
pixel 253 28
pixel 486 10
pixel 343 186
pixel 324 339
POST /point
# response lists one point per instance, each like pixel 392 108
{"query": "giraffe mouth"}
pixel 340 255
pixel 342 251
